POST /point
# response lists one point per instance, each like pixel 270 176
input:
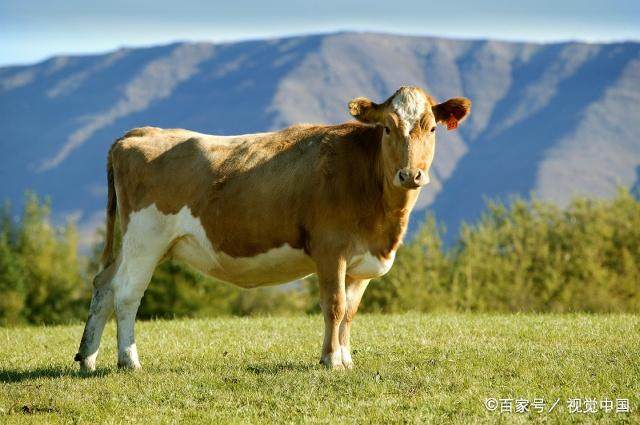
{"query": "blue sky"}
pixel 31 30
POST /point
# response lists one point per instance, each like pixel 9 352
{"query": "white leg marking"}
pixel 333 360
pixel 88 364
pixel 347 361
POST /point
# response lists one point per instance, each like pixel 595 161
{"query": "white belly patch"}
pixel 367 266
pixel 278 265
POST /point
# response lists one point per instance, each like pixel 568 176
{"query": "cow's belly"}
pixel 278 265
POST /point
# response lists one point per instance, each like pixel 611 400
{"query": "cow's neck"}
pixel 397 203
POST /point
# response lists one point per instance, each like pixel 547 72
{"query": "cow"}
pixel 267 208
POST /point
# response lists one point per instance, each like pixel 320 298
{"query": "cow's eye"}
pixel 387 130
pixel 433 129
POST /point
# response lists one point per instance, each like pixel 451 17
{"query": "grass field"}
pixel 409 368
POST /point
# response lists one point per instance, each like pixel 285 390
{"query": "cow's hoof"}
pixel 128 359
pixel 333 360
pixel 86 369
pixel 337 366
pixel 127 362
pixel 347 362
pixel 129 365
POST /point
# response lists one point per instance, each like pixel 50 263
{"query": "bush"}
pixel 524 256
pixel 41 275
pixel 519 256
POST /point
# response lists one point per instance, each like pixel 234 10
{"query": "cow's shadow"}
pixel 274 368
pixel 8 376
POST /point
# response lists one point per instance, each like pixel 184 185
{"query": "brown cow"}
pixel 266 208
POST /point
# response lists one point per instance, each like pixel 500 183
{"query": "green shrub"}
pixel 524 256
pixel 519 256
pixel 41 275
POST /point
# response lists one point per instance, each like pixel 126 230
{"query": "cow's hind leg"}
pixel 131 281
pixel 144 243
pixel 99 312
pixel 354 291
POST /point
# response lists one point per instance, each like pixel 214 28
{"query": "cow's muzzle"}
pixel 411 178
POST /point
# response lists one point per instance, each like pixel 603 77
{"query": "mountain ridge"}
pixel 318 33
pixel 555 119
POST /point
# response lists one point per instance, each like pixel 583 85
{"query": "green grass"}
pixel 409 368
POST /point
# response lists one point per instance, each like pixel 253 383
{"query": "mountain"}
pixel 551 119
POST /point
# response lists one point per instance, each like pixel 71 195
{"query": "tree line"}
pixel 519 256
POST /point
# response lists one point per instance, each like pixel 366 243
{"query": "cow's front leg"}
pixel 331 277
pixel 354 291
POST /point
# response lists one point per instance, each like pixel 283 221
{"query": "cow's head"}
pixel 409 118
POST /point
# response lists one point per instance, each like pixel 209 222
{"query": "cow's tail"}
pixel 112 203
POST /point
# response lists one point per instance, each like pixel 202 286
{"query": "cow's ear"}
pixel 364 110
pixel 452 111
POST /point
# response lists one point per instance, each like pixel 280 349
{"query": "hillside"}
pixel 411 368
pixel 554 119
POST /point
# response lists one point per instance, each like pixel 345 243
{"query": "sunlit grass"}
pixel 409 368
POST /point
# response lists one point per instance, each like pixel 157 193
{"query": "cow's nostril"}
pixel 418 176
pixel 402 176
